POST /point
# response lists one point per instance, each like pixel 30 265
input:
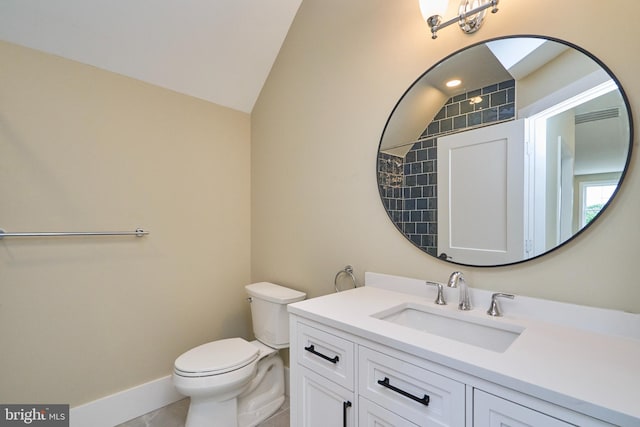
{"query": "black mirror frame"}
pixel 606 205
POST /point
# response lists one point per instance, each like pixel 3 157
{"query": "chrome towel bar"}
pixel 139 232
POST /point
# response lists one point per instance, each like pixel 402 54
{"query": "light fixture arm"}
pixel 463 19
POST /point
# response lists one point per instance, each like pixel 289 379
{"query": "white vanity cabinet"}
pixel 336 381
pixel 340 379
pixel 354 360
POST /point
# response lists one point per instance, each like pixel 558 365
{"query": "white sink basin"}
pixel 488 333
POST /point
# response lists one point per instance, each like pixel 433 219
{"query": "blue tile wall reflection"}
pixel 479 107
pixel 408 185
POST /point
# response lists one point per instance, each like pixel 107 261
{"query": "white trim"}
pixel 554 101
pixel 536 115
pixel 125 405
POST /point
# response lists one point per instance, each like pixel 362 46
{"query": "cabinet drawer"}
pixel 492 411
pixel 372 415
pixel 327 354
pixel 421 396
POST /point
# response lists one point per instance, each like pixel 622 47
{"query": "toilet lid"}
pixel 217 357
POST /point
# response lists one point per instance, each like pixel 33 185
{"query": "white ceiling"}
pixel 217 50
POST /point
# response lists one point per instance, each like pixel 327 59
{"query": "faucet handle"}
pixel 440 298
pixel 494 308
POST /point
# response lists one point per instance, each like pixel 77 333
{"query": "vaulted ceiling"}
pixel 217 50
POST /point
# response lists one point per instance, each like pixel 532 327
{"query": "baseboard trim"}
pixel 117 408
pixel 123 406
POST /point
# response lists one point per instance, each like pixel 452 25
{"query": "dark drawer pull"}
pixel 311 349
pixel 385 383
pixel 345 406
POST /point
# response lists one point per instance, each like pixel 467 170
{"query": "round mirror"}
pixel 504 151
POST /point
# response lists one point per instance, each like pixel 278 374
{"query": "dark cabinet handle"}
pixel 311 349
pixel 345 406
pixel 385 383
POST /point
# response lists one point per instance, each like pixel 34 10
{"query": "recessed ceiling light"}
pixel 453 83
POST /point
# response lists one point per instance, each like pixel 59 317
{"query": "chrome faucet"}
pixel 457 280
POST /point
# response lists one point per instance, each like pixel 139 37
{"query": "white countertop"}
pixel 589 372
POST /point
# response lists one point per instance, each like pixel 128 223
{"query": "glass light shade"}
pixel 431 8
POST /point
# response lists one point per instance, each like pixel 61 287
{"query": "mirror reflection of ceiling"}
pixel 579 129
pixel 483 65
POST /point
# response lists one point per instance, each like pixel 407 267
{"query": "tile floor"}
pixel 175 414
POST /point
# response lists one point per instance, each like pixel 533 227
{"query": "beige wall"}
pixel 82 149
pixel 316 127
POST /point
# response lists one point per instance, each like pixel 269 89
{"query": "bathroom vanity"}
pixel 385 354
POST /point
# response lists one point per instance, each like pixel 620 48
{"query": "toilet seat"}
pixel 216 358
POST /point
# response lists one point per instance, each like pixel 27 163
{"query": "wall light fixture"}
pixel 470 14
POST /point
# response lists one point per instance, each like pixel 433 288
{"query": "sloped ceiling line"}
pixel 218 50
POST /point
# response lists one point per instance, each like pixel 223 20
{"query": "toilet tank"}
pixel 269 312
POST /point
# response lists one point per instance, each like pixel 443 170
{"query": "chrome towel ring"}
pixel 349 271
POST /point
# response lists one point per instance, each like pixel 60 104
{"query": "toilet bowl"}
pixel 234 382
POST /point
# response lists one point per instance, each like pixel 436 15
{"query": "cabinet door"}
pixel 493 411
pixel 323 403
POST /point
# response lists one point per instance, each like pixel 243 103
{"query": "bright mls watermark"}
pixel 34 415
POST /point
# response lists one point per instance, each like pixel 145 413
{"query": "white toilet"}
pixel 234 382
